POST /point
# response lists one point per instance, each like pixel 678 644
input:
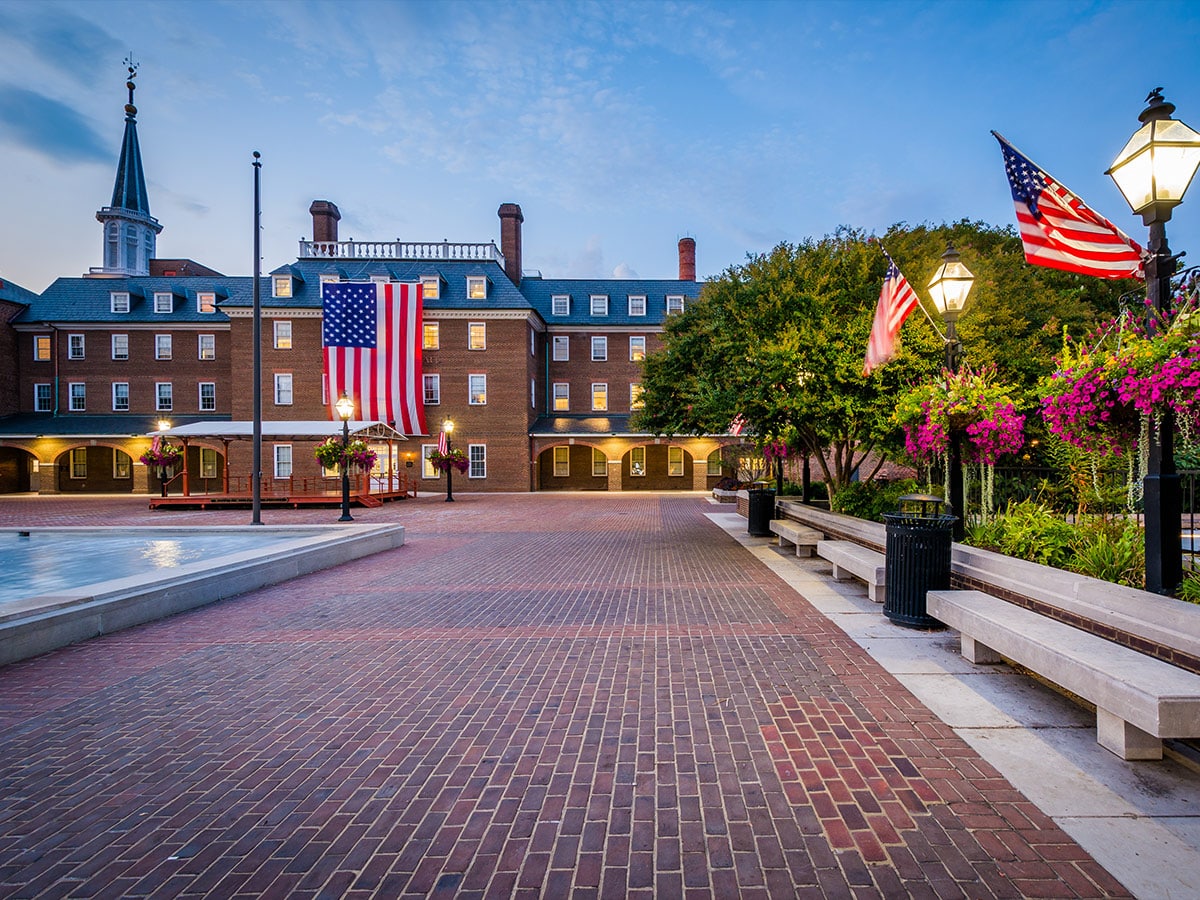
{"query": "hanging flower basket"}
pixel 357 456
pixel 161 454
pixel 444 462
pixel 968 401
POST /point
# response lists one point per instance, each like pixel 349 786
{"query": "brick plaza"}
pixel 542 695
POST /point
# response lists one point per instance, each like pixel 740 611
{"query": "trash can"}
pixel 761 512
pixel 917 559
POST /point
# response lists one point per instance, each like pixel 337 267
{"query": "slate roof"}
pixel 129 190
pixel 15 293
pixel 89 299
pixel 590 425
pixel 541 291
pixel 46 425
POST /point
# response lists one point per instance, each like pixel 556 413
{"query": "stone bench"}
pixel 854 560
pixel 804 538
pixel 1139 699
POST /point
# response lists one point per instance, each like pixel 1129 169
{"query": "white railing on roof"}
pixel 400 250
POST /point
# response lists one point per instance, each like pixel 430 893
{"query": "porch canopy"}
pixel 314 430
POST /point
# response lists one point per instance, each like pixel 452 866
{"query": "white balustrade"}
pixel 401 250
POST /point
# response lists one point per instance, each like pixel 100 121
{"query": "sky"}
pixel 618 127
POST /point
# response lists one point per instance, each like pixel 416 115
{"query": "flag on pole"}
pixel 443 443
pixel 896 300
pixel 738 424
pixel 1058 229
pixel 372 339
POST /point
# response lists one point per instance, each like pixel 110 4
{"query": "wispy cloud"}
pixel 49 127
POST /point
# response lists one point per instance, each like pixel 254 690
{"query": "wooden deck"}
pixel 293 493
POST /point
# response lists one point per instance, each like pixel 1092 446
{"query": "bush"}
pixel 871 499
pixel 1191 588
pixel 728 484
pixel 1110 550
pixel 1030 530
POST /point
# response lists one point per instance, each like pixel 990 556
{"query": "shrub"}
pixel 871 499
pixel 1031 530
pixel 1112 550
pixel 1191 588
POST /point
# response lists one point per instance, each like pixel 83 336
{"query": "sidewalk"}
pixel 538 695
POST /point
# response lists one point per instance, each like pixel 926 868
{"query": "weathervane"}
pixel 130 109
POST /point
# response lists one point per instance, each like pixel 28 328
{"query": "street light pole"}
pixel 448 429
pixel 345 409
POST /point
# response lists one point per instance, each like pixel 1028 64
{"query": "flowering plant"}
pixel 161 454
pixel 356 455
pixel 443 462
pixel 969 400
pixel 775 450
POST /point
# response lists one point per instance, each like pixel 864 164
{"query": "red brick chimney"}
pixel 325 218
pixel 510 240
pixel 687 259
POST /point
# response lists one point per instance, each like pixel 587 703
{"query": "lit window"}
pixel 164 303
pixel 562 347
pixel 329 278
pixel 635 397
pixel 120 398
pixel 427 469
pixel 120 346
pixel 207 302
pixel 674 305
pixel 674 460
pixel 599 349
pixel 599 304
pixel 476 287
pixel 162 346
pixel 283 460
pixel 560 305
pixel 43 398
pixel 431 287
pixel 562 396
pixel 599 397
pixel 163 396
pixel 41 347
pixel 637 304
pixel 477 455
pixel 637 462
pixel 283 389
pixel 79 462
pixel 281 286
pixel 208 462
pixel 478 390
pixel 207 346
pixel 78 394
pixel 122 464
pixel 430 336
pixel 119 301
pixel 477 336
pixel 637 348
pixel 714 463
pixel 208 396
pixel 433 389
pixel 283 334
pixel 599 463
pixel 75 346
pixel 562 462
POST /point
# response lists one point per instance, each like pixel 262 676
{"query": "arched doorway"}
pixel 95 469
pixel 572 467
pixel 16 470
pixel 657 467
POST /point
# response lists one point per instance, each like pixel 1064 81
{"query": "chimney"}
pixel 687 259
pixel 510 240
pixel 325 218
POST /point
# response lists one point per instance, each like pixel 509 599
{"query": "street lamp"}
pixel 1153 172
pixel 447 430
pixel 345 409
pixel 163 425
pixel 950 288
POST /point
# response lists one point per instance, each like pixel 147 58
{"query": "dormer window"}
pixel 599 304
pixel 476 287
pixel 560 304
pixel 637 304
pixel 164 302
pixel 206 302
pixel 431 287
pixel 379 279
pixel 119 301
pixel 330 278
pixel 281 286
pixel 674 305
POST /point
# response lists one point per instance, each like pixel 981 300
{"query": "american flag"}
pixel 896 300
pixel 443 442
pixel 372 339
pixel 1059 230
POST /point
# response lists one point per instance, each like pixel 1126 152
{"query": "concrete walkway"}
pixel 541 695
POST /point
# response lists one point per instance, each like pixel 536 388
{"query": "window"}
pixel 476 287
pixel 599 304
pixel 283 334
pixel 41 347
pixel 637 348
pixel 379 279
pixel 562 396
pixel 120 346
pixel 600 397
pixel 120 391
pixel 674 460
pixel 79 462
pixel 433 389
pixel 208 462
pixel 122 464
pixel 562 347
pixel 162 346
pixel 599 463
pixel 207 346
pixel 637 462
pixel 283 460
pixel 430 336
pixel 164 396
pixel 477 455
pixel 281 286
pixel 431 287
pixel 477 390
pixel 43 397
pixel 562 462
pixel 637 304
pixel 283 389
pixel 208 396
pixel 119 301
pixel 164 303
pixel 599 349
pixel 75 346
pixel 77 391
pixel 329 278
pixel 635 397
pixel 427 469
pixel 532 342
pixel 560 305
pixel 206 302
pixel 714 463
pixel 674 305
pixel 477 336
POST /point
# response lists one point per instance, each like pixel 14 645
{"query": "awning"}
pixel 316 430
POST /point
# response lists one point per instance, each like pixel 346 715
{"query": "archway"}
pixel 16 470
pixel 657 467
pixel 95 469
pixel 572 467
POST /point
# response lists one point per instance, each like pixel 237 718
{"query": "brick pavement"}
pixel 539 695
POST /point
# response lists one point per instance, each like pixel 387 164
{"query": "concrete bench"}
pixel 789 532
pixel 853 560
pixel 1139 699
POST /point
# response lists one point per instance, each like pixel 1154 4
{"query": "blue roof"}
pixel 15 293
pixel 541 292
pixel 90 299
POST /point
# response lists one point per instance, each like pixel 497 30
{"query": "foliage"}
pixel 1027 530
pixel 729 483
pixel 354 456
pixel 970 400
pixel 1112 550
pixel 1191 588
pixel 162 454
pixel 870 500
pixel 455 459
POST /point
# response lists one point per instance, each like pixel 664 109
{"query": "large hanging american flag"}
pixel 896 300
pixel 1058 229
pixel 372 339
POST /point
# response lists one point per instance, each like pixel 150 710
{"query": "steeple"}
pixel 130 232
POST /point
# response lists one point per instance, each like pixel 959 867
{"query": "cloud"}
pixel 48 127
pixel 69 43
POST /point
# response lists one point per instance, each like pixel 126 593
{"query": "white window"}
pixel 283 389
pixel 674 304
pixel 207 346
pixel 532 342
pixel 430 336
pixel 433 389
pixel 41 347
pixel 164 302
pixel 476 287
pixel 599 463
pixel 43 398
pixel 637 348
pixel 281 286
pixel 208 462
pixel 208 396
pixel 431 287
pixel 163 396
pixel 120 396
pixel 283 334
pixel 560 305
pixel 122 464
pixel 599 349
pixel 637 462
pixel 119 301
pixel 283 460
pixel 674 460
pixel 599 397
pixel 162 346
pixel 635 397
pixel 637 304
pixel 714 463
pixel 477 456
pixel 427 469
pixel 79 462
pixel 120 346
pixel 599 304
pixel 379 279
pixel 562 396
pixel 78 395
pixel 329 278
pixel 75 346
pixel 207 302
pixel 477 336
pixel 562 347
pixel 562 462
pixel 533 393
pixel 477 389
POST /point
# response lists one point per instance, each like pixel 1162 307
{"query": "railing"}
pixel 440 250
pixel 309 486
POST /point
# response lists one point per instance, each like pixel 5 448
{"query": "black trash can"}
pixel 761 512
pixel 919 536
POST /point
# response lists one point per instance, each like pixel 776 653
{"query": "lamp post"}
pixel 447 430
pixel 163 425
pixel 950 288
pixel 1153 172
pixel 345 409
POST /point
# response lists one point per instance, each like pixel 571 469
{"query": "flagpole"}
pixel 255 292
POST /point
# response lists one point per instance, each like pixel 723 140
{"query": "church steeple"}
pixel 130 232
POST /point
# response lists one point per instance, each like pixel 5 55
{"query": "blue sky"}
pixel 618 127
